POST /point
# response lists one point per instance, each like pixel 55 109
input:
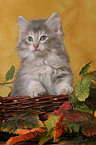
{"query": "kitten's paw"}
pixel 36 92
pixel 35 89
pixel 66 90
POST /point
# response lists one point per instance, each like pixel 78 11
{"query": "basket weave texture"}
pixel 13 105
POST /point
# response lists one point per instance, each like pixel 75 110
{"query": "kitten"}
pixel 44 66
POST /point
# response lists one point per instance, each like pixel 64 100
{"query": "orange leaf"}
pixel 95 113
pixel 29 134
pixel 15 139
pixel 38 129
pixel 59 128
pixel 22 131
pixel 25 134
pixel 25 131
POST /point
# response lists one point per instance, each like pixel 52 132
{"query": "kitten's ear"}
pixel 54 22
pixel 23 23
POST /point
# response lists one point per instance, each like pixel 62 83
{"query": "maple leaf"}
pixel 24 135
pixel 46 136
pixel 80 105
pixel 14 140
pixel 85 68
pixel 72 128
pixel 51 122
pixel 59 128
pixel 63 107
pixel 82 89
pixel 91 75
pixel 29 134
pixel 23 120
pixel 85 120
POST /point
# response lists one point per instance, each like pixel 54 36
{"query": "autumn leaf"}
pixel 10 73
pixel 85 68
pixel 91 75
pixel 63 107
pixel 51 122
pixel 14 140
pixel 24 135
pixel 72 128
pixel 82 89
pixel 80 105
pixel 86 121
pixel 29 134
pixel 46 136
pixel 23 120
pixel 59 128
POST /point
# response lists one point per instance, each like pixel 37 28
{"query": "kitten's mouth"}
pixel 36 51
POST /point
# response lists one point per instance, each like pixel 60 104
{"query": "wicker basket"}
pixel 13 105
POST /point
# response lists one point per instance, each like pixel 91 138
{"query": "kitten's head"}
pixel 39 37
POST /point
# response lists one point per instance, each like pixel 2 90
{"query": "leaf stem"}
pixel 4 83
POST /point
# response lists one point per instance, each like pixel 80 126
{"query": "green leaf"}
pixel 82 89
pixel 75 102
pixel 85 68
pixel 72 128
pixel 91 75
pixel 51 122
pixel 84 108
pixel 46 137
pixel 10 73
pixel 23 120
pixel 80 105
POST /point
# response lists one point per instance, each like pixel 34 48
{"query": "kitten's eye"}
pixel 30 39
pixel 42 38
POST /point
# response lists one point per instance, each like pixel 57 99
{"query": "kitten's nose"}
pixel 35 46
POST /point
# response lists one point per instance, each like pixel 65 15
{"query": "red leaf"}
pixel 62 109
pixel 86 121
pixel 59 128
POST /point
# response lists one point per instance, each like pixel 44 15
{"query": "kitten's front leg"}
pixel 35 89
pixel 64 85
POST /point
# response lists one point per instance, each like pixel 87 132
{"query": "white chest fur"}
pixel 44 74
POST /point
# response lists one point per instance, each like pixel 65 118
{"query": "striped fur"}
pixel 44 70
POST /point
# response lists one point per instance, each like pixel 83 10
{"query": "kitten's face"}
pixel 36 41
pixel 39 37
pixel 36 37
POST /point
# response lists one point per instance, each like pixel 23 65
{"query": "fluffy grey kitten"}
pixel 44 66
